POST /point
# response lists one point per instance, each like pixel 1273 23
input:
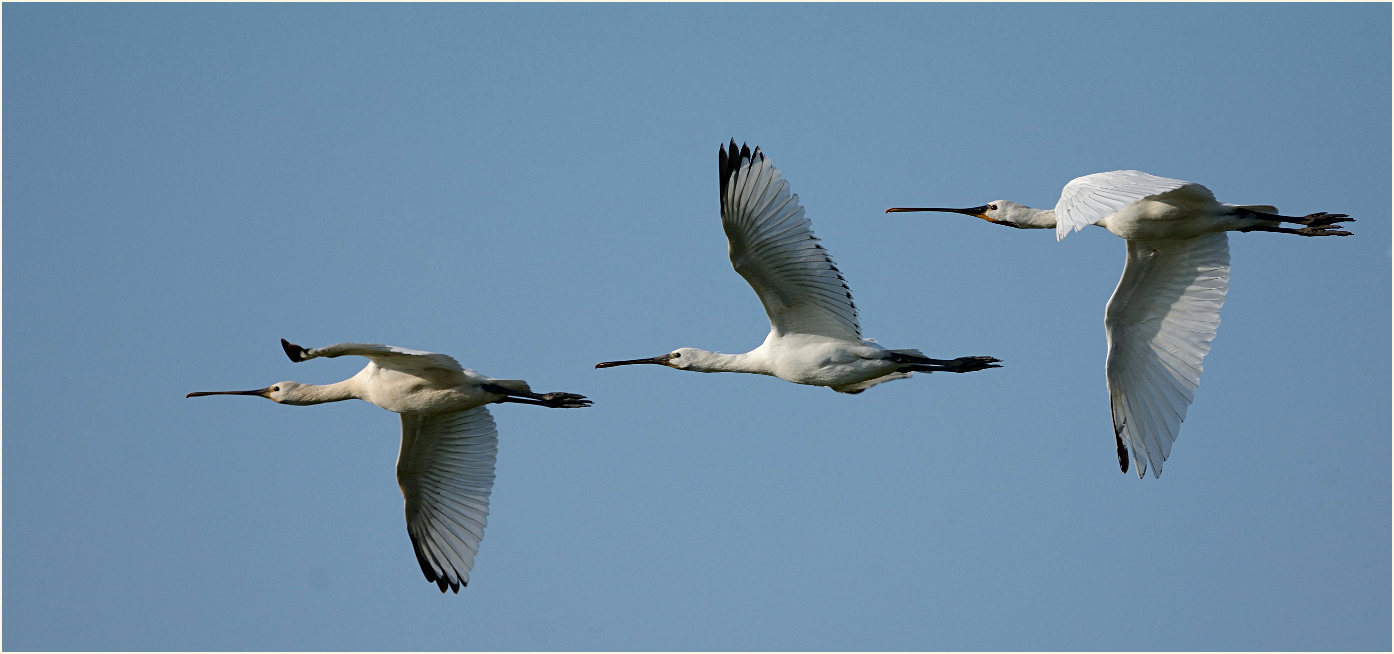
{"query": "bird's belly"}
pixel 1150 220
pixel 830 366
pixel 420 396
pixel 435 401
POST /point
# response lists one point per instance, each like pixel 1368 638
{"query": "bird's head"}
pixel 683 358
pixel 286 392
pixel 1000 212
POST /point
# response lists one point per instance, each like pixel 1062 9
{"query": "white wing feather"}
pixel 387 356
pixel 446 472
pixel 773 247
pixel 1087 200
pixel 1159 323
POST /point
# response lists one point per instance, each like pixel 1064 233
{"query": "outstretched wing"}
pixel 1087 200
pixel 1160 322
pixel 446 471
pixel 773 247
pixel 387 356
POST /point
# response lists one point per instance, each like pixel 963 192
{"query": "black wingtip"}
pixel 726 162
pixel 1122 453
pixel 295 352
pixel 442 581
pixel 729 162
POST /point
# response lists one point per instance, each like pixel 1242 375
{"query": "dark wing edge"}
pixel 1159 323
pixel 446 474
pixel 773 247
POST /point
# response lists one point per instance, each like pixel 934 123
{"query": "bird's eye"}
pixel 275 389
pixel 992 207
pixel 677 355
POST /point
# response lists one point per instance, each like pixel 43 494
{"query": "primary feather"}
pixel 446 472
pixel 771 244
pixel 1159 323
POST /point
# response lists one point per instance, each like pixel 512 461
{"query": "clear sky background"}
pixel 533 189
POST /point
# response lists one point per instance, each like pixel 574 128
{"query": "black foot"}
pixel 972 364
pixel 1322 230
pixel 1323 218
pixel 563 400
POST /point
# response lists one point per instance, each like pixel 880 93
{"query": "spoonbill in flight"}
pixel 445 468
pixel 814 335
pixel 1166 308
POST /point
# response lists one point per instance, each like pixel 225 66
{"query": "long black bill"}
pixel 660 360
pixel 259 392
pixel 970 211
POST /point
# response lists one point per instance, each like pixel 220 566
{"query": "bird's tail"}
pixel 911 355
pixel 512 385
pixel 908 356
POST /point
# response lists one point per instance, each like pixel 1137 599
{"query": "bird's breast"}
pixel 1148 220
pixel 830 363
pixel 409 393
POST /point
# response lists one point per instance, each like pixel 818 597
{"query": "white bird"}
pixel 449 443
pixel 814 335
pixel 1166 308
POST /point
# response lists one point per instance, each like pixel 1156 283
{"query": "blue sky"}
pixel 532 189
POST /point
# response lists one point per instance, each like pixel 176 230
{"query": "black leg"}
pixel 961 364
pixel 551 400
pixel 1313 224
pixel 1310 230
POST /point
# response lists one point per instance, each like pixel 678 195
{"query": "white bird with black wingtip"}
pixel 814 337
pixel 449 442
pixel 1166 308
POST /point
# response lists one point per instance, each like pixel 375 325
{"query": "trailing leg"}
pixel 1313 224
pixel 550 400
pixel 961 364
pixel 1310 230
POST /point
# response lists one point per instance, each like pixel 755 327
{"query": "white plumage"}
pixel 771 245
pixel 445 468
pixel 814 335
pixel 1166 309
pixel 1087 200
pixel 1159 324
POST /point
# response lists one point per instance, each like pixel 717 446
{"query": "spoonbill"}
pixel 445 468
pixel 814 335
pixel 1166 308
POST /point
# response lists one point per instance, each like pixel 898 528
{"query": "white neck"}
pixel 1027 217
pixel 319 394
pixel 704 361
